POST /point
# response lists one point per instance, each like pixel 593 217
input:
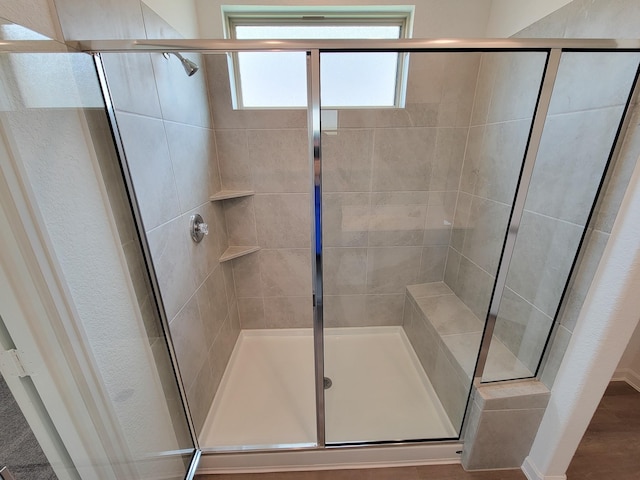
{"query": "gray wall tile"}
pixel 391 269
pixel 288 312
pixel 347 161
pixel 221 350
pixel 461 220
pixel 345 219
pixel 423 337
pixel 382 310
pixel 460 74
pixel 485 233
pixel 451 268
pixel 283 220
pixel 432 264
pixel 575 89
pixel 280 160
pixel 449 155
pixel 522 328
pixel 286 272
pixel 516 85
pixel 188 337
pixel 192 151
pixel 151 169
pixel 541 260
pixel 183 99
pixel 212 301
pixel 489 439
pixel 251 312
pixel 573 152
pixel 240 218
pixel 247 277
pixel 474 286
pixel 229 282
pixel 452 393
pixel 344 310
pixel 500 159
pixel 426 77
pixel 344 270
pixel 169 246
pixel 403 158
pixel 614 19
pixel 128 75
pixel 233 155
pixel 200 396
pixel 397 218
pixel 117 19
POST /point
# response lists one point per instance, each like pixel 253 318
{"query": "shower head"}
pixel 189 67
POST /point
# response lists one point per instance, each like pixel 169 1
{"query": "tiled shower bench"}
pixel 446 336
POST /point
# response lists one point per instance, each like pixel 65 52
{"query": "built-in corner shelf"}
pixel 235 252
pixel 227 194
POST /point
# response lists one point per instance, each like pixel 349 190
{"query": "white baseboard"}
pixel 629 376
pixel 532 473
pixel 330 459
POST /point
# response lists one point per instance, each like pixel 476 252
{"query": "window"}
pixel 348 80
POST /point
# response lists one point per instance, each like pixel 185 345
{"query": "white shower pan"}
pixel 379 391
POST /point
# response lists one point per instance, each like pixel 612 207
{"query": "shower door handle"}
pixel 5 474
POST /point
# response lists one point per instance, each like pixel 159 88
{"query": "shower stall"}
pixel 361 267
pixel 364 265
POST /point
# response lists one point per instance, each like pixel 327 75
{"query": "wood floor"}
pixel 609 449
pixel 430 472
pixel 611 446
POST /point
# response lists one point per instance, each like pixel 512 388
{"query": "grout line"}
pixel 474 263
pixel 173 219
pixel 555 218
pixel 528 302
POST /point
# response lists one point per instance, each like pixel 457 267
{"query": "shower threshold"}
pixel 379 391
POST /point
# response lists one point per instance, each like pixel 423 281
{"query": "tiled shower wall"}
pixel 591 19
pixel 265 151
pixel 581 126
pixel 390 178
pixel 390 181
pixel 168 136
pixel 583 118
pixel 506 94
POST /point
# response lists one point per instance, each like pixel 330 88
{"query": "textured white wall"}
pixel 508 17
pixel 433 18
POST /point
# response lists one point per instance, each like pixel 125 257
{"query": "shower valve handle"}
pixel 198 228
pixel 203 228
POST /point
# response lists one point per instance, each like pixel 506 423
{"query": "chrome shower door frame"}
pixel 554 49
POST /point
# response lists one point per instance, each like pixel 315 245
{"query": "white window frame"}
pixel 243 15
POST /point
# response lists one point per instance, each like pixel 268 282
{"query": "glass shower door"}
pixel 560 215
pixel 238 303
pixel 83 331
pixel 413 222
